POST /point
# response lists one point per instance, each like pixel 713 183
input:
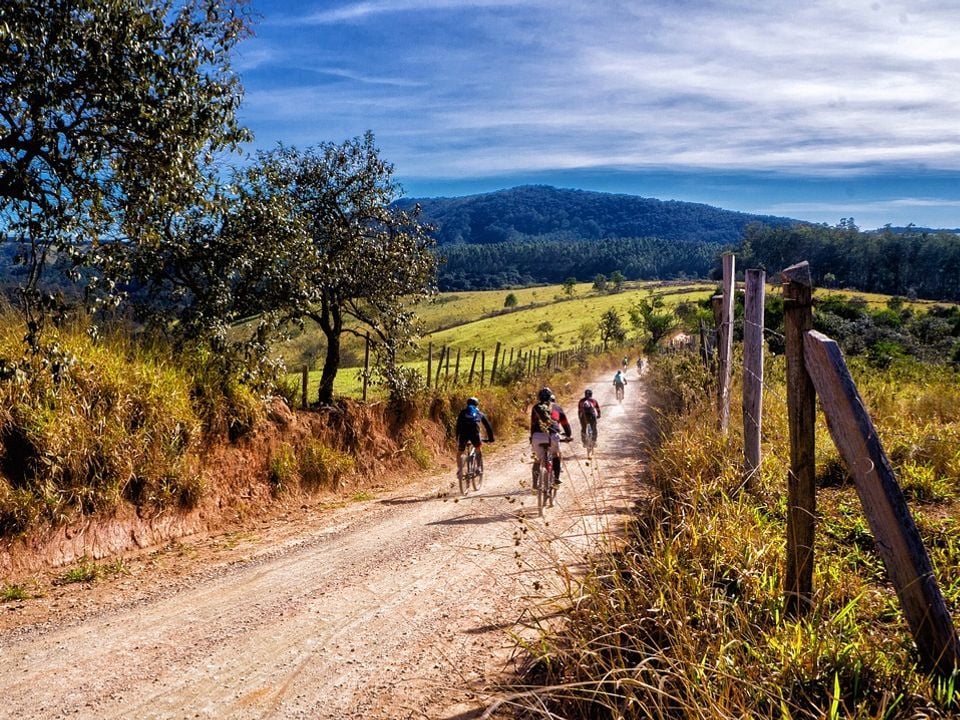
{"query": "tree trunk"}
pixel 331 322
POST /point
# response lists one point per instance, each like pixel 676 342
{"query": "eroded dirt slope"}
pixel 404 606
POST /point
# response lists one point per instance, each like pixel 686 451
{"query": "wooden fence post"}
pixel 456 372
pixel 496 358
pixel 446 370
pixel 726 340
pixel 897 538
pixel 473 364
pixel 801 414
pixel 429 362
pixel 305 377
pixel 366 364
pixel 755 287
pixel 536 365
pixel 436 382
pixel 483 365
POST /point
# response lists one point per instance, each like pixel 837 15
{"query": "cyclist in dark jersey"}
pixel 468 430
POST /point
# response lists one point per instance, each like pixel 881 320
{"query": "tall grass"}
pixel 115 421
pixel 688 620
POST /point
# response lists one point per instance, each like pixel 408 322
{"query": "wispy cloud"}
pixel 493 86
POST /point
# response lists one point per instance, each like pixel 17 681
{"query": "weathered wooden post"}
pixel 755 289
pixel 897 539
pixel 456 372
pixel 496 358
pixel 446 370
pixel 801 414
pixel 443 352
pixel 366 364
pixel 726 340
pixel 429 362
pixel 483 365
pixel 536 365
pixel 511 355
pixel 305 378
pixel 473 364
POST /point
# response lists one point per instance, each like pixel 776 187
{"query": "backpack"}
pixel 588 408
pixel 544 420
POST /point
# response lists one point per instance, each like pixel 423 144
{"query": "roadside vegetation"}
pixel 687 618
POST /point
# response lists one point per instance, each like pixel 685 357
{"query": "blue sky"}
pixel 809 109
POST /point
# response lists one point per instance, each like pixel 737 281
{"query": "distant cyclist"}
pixel 547 419
pixel 588 410
pixel 468 431
pixel 625 361
pixel 619 381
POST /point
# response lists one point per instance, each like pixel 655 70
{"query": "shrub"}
pixel 322 466
pixel 283 470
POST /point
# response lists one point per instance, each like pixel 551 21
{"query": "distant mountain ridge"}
pixel 541 212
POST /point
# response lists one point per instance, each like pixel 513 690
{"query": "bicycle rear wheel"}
pixel 467 472
pixel 544 486
pixel 477 476
pixel 591 440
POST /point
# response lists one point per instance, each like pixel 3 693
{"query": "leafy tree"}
pixel 600 282
pixel 617 279
pixel 586 333
pixel 108 111
pixel 510 300
pixel 545 329
pixel 569 286
pixel 646 317
pixel 365 262
pixel 611 328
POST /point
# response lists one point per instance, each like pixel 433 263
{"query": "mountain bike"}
pixel 545 485
pixel 472 471
pixel 619 393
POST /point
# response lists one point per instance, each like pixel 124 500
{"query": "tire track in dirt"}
pixel 399 608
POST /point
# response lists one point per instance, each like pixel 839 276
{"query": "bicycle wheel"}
pixel 591 440
pixel 467 471
pixel 477 476
pixel 543 486
pixel 551 488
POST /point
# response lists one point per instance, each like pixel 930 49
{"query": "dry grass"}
pixel 688 621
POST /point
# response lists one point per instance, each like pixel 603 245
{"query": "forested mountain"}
pixel 538 212
pixel 540 234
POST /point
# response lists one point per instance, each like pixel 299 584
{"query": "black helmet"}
pixel 473 401
pixel 588 393
pixel 545 395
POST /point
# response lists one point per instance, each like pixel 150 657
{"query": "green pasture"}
pixel 478 320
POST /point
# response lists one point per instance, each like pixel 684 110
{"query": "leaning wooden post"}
pixel 305 377
pixel 496 358
pixel 801 409
pixel 436 378
pixel 897 538
pixel 537 364
pixel 456 371
pixel 511 355
pixel 429 362
pixel 446 370
pixel 726 341
pixel 483 365
pixel 755 287
pixel 473 364
pixel 366 364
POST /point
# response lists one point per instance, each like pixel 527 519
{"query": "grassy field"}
pixel 478 320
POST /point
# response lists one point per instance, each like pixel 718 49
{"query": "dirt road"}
pixel 399 607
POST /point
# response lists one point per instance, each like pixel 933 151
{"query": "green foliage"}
pixel 354 261
pixel 510 300
pixel 569 286
pixel 655 324
pixel 600 282
pixel 900 263
pixel 616 280
pixel 14 593
pixel 322 466
pixel 109 111
pixel 611 328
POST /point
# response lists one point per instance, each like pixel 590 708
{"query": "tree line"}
pixel 911 263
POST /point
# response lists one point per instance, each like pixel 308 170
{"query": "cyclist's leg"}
pixel 593 425
pixel 555 446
